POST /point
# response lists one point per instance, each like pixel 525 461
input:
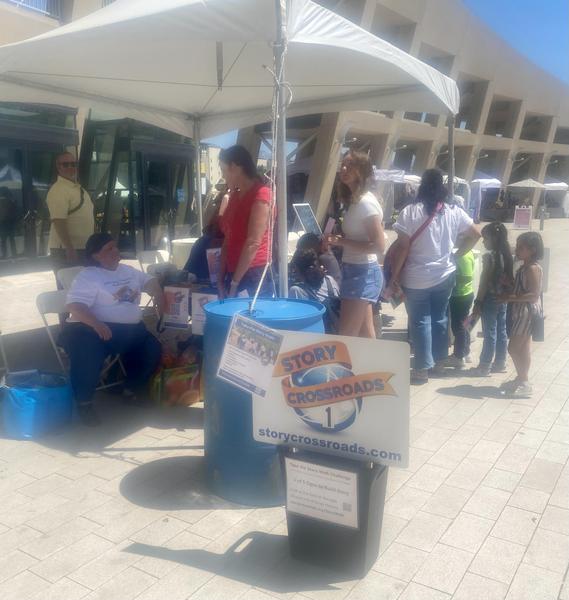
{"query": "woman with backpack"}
pixel 312 283
pixel 361 243
pixel 423 267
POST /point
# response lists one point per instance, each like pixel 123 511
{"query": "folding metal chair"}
pixel 54 303
pixel 67 275
pixel 147 258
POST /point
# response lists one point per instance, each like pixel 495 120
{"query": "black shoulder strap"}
pixel 79 206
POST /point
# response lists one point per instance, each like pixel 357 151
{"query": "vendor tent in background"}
pixel 202 67
pixel 528 184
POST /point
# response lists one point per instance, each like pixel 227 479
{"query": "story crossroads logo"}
pixel 320 386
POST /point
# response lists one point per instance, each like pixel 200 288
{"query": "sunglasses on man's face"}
pixel 68 165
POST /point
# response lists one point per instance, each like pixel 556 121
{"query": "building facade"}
pixel 513 124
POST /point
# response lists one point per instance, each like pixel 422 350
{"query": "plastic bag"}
pixel 178 386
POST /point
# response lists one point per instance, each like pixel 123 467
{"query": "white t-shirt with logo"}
pixel 430 260
pixel 112 296
pixel 354 228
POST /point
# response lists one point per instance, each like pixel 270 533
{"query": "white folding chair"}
pixel 146 258
pixel 67 275
pixel 53 303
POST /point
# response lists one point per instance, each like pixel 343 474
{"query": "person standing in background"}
pixel 71 216
pixel 460 304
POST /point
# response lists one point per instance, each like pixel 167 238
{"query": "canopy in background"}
pixel 171 62
pixel 487 183
pixel 556 186
pixel 527 184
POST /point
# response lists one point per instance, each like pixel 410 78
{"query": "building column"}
pixel 485 109
pixel 325 160
pixel 249 138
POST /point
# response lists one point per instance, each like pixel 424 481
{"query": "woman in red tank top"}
pixel 245 224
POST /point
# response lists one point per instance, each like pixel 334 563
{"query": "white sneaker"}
pixel 468 360
pixel 522 390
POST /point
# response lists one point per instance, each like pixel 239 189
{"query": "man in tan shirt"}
pixel 71 214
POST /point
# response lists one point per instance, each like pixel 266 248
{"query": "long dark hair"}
pixel 363 166
pixel 240 156
pixel 307 264
pixel 498 235
pixel 432 190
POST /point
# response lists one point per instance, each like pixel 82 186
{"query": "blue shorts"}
pixel 361 282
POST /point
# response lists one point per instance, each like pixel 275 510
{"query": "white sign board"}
pixel 199 300
pixel 522 217
pixel 249 355
pixel 322 492
pixel 176 312
pixel 338 395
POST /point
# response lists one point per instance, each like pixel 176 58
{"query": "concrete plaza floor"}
pixel 121 512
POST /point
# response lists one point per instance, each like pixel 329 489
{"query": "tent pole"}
pixel 450 179
pixel 198 174
pixel 280 150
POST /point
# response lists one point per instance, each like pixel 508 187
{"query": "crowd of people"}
pixel 430 266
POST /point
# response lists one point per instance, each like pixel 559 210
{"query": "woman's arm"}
pixel 534 285
pixel 258 221
pixel 81 313
pixel 403 242
pixel 153 289
pixel 469 240
pixel 374 230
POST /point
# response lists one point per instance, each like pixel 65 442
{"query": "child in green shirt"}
pixel 460 304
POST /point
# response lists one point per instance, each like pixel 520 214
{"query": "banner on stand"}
pixel 338 395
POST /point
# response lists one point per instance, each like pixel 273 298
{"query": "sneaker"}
pixel 88 415
pixel 468 359
pixel 522 390
pixel 509 385
pixel 439 370
pixel 482 370
pixel 499 368
pixel 454 362
pixel 419 376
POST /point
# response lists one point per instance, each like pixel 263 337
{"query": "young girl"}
pixel 524 304
pixel 495 281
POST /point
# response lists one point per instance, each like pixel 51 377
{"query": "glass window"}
pixel 38 114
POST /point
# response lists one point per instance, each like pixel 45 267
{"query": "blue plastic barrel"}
pixel 237 467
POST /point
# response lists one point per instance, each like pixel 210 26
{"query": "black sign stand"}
pixel 334 546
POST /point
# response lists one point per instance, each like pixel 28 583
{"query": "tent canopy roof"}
pixel 527 183
pixel 173 61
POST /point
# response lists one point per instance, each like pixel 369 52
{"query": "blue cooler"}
pixel 35 403
pixel 237 467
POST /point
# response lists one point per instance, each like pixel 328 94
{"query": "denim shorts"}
pixel 361 282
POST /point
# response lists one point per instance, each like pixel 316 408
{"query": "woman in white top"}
pixel 425 268
pixel 363 240
pixel 106 319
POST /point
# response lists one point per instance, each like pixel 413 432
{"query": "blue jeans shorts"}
pixel 361 282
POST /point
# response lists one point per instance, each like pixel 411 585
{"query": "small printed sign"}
pixel 213 263
pixel 322 492
pixel 249 355
pixel 522 217
pixel 177 301
pixel 199 300
pixel 338 395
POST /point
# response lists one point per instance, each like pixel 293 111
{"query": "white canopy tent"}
pixel 202 67
pixel 527 184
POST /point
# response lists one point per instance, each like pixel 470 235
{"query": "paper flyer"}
pixel 213 263
pixel 177 300
pixel 249 355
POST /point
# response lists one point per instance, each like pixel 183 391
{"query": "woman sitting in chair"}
pixel 106 320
